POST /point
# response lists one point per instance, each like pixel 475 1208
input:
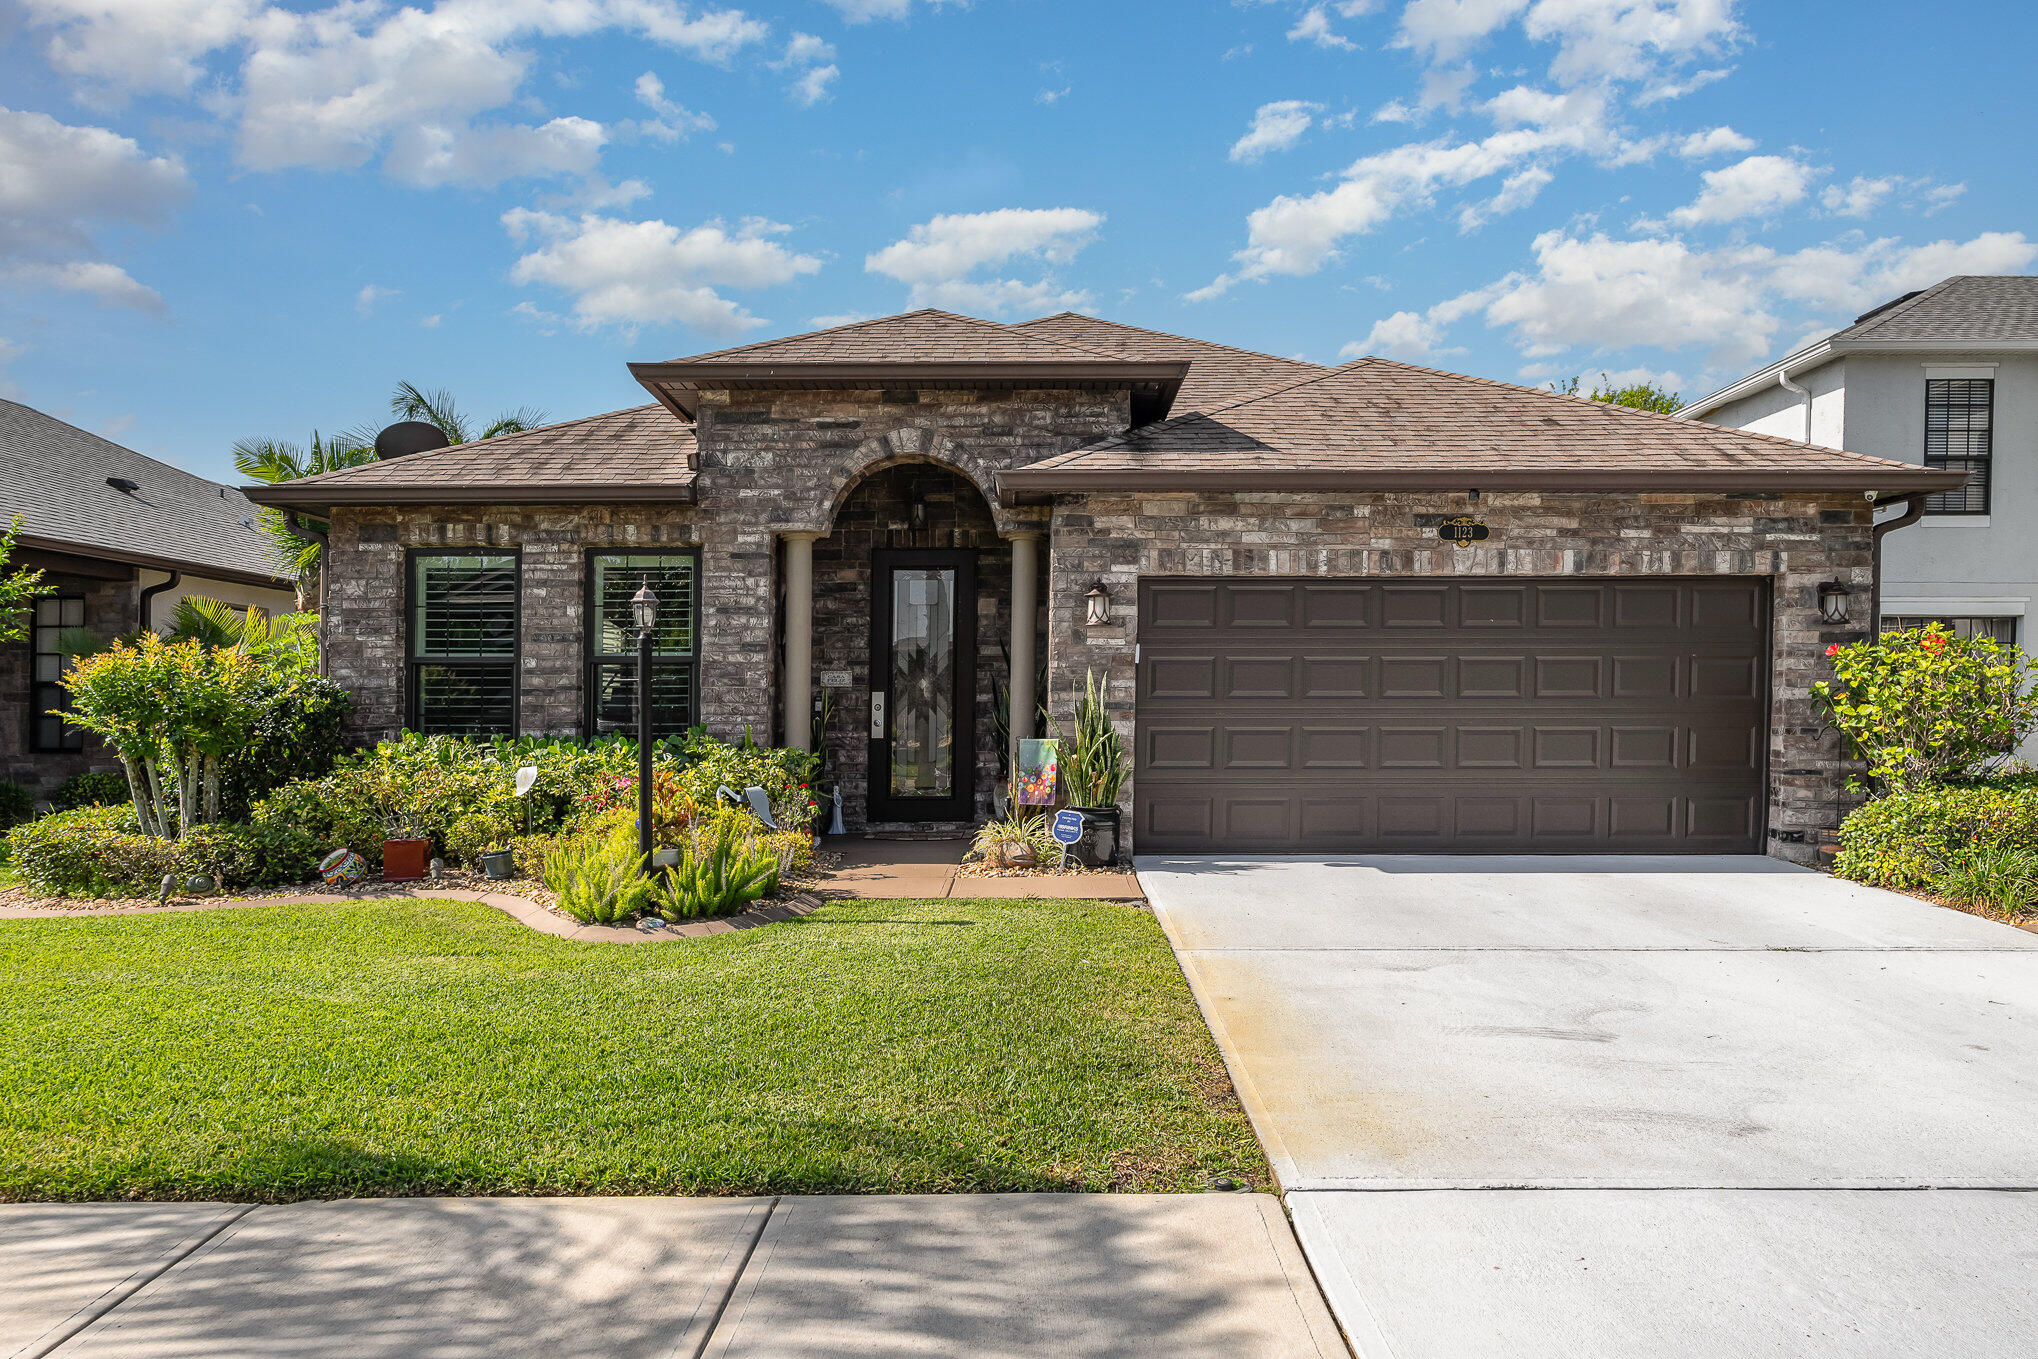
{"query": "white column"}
pixel 799 640
pixel 1025 611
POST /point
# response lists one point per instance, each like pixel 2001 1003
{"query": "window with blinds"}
pixel 54 615
pixel 613 578
pixel 2004 630
pixel 463 643
pixel 1958 416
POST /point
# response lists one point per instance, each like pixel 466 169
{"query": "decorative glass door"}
pixel 923 685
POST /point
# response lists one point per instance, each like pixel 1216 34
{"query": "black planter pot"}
pixel 1100 845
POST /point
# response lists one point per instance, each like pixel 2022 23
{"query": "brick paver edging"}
pixel 524 911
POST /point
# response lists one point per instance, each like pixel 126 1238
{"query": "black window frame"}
pixel 1962 624
pixel 412 663
pixel 594 661
pixel 46 694
pixel 1975 496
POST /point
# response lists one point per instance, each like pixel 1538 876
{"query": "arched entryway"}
pixel 912 601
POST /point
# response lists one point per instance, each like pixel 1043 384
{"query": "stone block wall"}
pixel 1796 541
pixel 111 608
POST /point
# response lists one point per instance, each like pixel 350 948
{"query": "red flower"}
pixel 1833 650
pixel 1933 642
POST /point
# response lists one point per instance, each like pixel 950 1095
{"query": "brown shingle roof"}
pixel 1218 374
pixel 926 336
pixel 1376 424
pixel 642 453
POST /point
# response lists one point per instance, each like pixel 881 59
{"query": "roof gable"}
pixel 921 336
pixel 1218 373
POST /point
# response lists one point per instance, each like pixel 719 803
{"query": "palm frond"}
pixel 213 622
pixel 519 421
pixel 269 459
pixel 433 407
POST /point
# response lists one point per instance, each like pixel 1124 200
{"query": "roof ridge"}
pixel 1078 349
pixel 1171 335
pixel 1607 407
pixel 339 473
pixel 1908 304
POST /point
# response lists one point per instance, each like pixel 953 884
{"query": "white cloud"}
pixel 1714 141
pixel 1053 97
pixel 634 273
pixel 937 257
pixel 430 322
pixel 1747 188
pixel 371 295
pixel 1411 335
pixel 1629 39
pixel 674 122
pixel 1443 30
pixel 139 46
pixel 1864 195
pixel 1517 191
pixel 435 154
pixel 863 11
pixel 1314 27
pixel 814 62
pixel 1275 127
pixel 108 284
pixel 813 84
pixel 58 182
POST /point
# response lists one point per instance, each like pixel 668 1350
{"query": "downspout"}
pixel 1914 510
pixel 301 526
pixel 148 599
pixel 1804 397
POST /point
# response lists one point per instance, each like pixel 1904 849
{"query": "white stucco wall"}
pixel 234 593
pixel 1773 410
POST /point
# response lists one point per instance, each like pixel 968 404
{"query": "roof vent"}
pixel 124 485
pixel 1893 302
pixel 409 436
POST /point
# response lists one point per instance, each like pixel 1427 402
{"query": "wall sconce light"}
pixel 1833 601
pixel 1097 605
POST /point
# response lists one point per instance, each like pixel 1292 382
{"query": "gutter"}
pixel 311 496
pixel 1019 482
pixel 148 599
pixel 1914 510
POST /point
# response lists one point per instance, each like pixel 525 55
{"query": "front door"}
pixel 922 685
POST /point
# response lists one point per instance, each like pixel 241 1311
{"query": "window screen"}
pixel 614 577
pixel 1958 415
pixel 463 644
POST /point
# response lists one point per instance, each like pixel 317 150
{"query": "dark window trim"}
pixel 592 661
pixel 36 745
pixel 1980 466
pixel 410 622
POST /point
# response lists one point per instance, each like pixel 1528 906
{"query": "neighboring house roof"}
pixel 642 453
pixel 59 480
pixel 1376 425
pixel 1218 373
pixel 925 348
pixel 1966 311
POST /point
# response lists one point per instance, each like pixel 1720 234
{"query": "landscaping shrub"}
pixel 722 868
pixel 1929 707
pixel 17 804
pixel 98 788
pixel 101 852
pixel 600 880
pixel 1910 838
pixel 297 731
pixel 2002 879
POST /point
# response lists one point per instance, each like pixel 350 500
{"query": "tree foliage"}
pixel 1641 396
pixel 1928 707
pixel 18 588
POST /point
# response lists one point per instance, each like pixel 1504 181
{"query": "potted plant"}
pixel 498 865
pixel 1093 769
pixel 1016 841
pixel 406 850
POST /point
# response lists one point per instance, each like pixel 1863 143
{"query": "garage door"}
pixel 1481 715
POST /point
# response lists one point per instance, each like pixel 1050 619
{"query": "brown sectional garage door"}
pixel 1474 715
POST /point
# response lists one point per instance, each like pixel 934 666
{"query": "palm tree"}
pixel 437 408
pixel 274 460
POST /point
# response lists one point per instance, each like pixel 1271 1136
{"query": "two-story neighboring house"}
pixel 1947 377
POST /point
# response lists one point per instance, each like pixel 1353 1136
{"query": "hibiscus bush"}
pixel 1927 707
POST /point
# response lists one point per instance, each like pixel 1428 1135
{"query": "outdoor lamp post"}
pixel 644 605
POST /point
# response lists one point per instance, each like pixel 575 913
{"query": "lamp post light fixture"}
pixel 1833 601
pixel 1097 605
pixel 644 607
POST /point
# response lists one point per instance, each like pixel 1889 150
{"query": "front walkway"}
pixel 653 1278
pixel 1629 1105
pixel 915 869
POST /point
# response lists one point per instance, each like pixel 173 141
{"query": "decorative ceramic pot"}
pixel 1100 846
pixel 499 865
pixel 343 868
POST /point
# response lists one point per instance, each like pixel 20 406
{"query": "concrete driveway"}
pixel 1722 1062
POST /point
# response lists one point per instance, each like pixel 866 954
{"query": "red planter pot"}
pixel 403 860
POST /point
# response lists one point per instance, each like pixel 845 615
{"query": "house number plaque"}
pixel 1462 530
pixel 834 679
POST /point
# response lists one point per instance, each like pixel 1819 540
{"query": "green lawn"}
pixel 436 1047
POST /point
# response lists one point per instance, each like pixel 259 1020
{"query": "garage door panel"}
pixel 1490 715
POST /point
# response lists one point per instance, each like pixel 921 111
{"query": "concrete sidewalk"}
pixel 637 1278
pixel 895 870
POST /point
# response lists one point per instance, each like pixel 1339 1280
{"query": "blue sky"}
pixel 223 218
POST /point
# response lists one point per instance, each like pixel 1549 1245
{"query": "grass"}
pixel 436 1047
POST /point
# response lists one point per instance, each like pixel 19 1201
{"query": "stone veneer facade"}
pixel 849 466
pixel 1796 541
pixel 112 608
